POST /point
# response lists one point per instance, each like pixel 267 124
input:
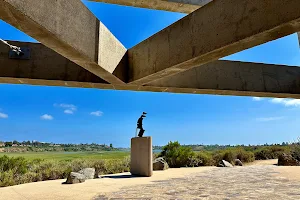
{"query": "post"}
pixel 141 156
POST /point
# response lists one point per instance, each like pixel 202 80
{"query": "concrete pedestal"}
pixel 141 156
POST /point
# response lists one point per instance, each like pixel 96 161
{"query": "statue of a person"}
pixel 140 124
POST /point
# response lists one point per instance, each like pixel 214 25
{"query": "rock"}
pixel 220 165
pixel 75 178
pixel 224 163
pixel 238 162
pixel 287 160
pixel 89 173
pixel 160 164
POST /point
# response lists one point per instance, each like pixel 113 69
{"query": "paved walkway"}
pixel 250 182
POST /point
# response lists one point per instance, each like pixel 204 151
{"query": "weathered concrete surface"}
pixel 219 29
pixel 47 67
pixel 183 6
pixel 44 64
pixel 141 156
pixel 237 76
pixel 69 28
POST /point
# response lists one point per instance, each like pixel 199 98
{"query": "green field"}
pixel 70 155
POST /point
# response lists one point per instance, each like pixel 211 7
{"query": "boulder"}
pixel 89 173
pixel 224 163
pixel 160 164
pixel 287 160
pixel 75 178
pixel 238 162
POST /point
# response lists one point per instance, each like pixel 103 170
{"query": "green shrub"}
pixel 245 156
pixel 18 171
pixel 177 155
pixel 16 164
pixel 271 152
pixel 231 154
pixel 205 158
pixel 117 166
pixel 7 178
pixel 296 152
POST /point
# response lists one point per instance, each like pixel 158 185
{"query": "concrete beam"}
pixel 240 77
pixel 70 29
pixel 219 29
pixel 183 6
pixel 48 68
pixel 44 64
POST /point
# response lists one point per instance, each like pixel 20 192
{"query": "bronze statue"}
pixel 140 124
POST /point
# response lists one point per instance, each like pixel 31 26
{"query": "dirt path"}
pixel 256 181
pixel 55 190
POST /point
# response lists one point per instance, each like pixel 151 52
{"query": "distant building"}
pixel 14 145
pixel 2 144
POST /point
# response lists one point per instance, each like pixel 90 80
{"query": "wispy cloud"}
pixel 97 113
pixel 257 98
pixel 46 117
pixel 68 108
pixel 3 115
pixel 286 102
pixel 70 112
pixel 267 119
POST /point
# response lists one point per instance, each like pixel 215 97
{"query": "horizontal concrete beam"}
pixel 183 6
pixel 48 68
pixel 44 64
pixel 219 29
pixel 70 29
pixel 237 76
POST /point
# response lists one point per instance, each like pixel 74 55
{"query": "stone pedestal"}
pixel 141 156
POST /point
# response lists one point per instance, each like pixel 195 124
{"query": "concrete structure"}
pixel 70 29
pixel 227 26
pixel 82 52
pixel 46 67
pixel 141 156
pixel 183 6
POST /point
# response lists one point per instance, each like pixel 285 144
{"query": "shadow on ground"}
pixel 121 176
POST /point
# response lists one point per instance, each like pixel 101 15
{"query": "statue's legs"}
pixel 141 132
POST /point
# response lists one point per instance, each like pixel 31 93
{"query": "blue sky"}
pixel 57 114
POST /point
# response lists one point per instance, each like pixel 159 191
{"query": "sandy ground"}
pixel 55 190
pixel 264 162
pixel 291 173
pixel 254 181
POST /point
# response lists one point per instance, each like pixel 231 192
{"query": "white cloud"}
pixel 267 119
pixel 3 115
pixel 97 113
pixel 68 108
pixel 70 112
pixel 46 117
pixel 286 102
pixel 257 99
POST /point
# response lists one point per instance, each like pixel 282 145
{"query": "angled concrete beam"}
pixel 216 30
pixel 44 64
pixel 236 78
pixel 46 67
pixel 183 6
pixel 70 29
